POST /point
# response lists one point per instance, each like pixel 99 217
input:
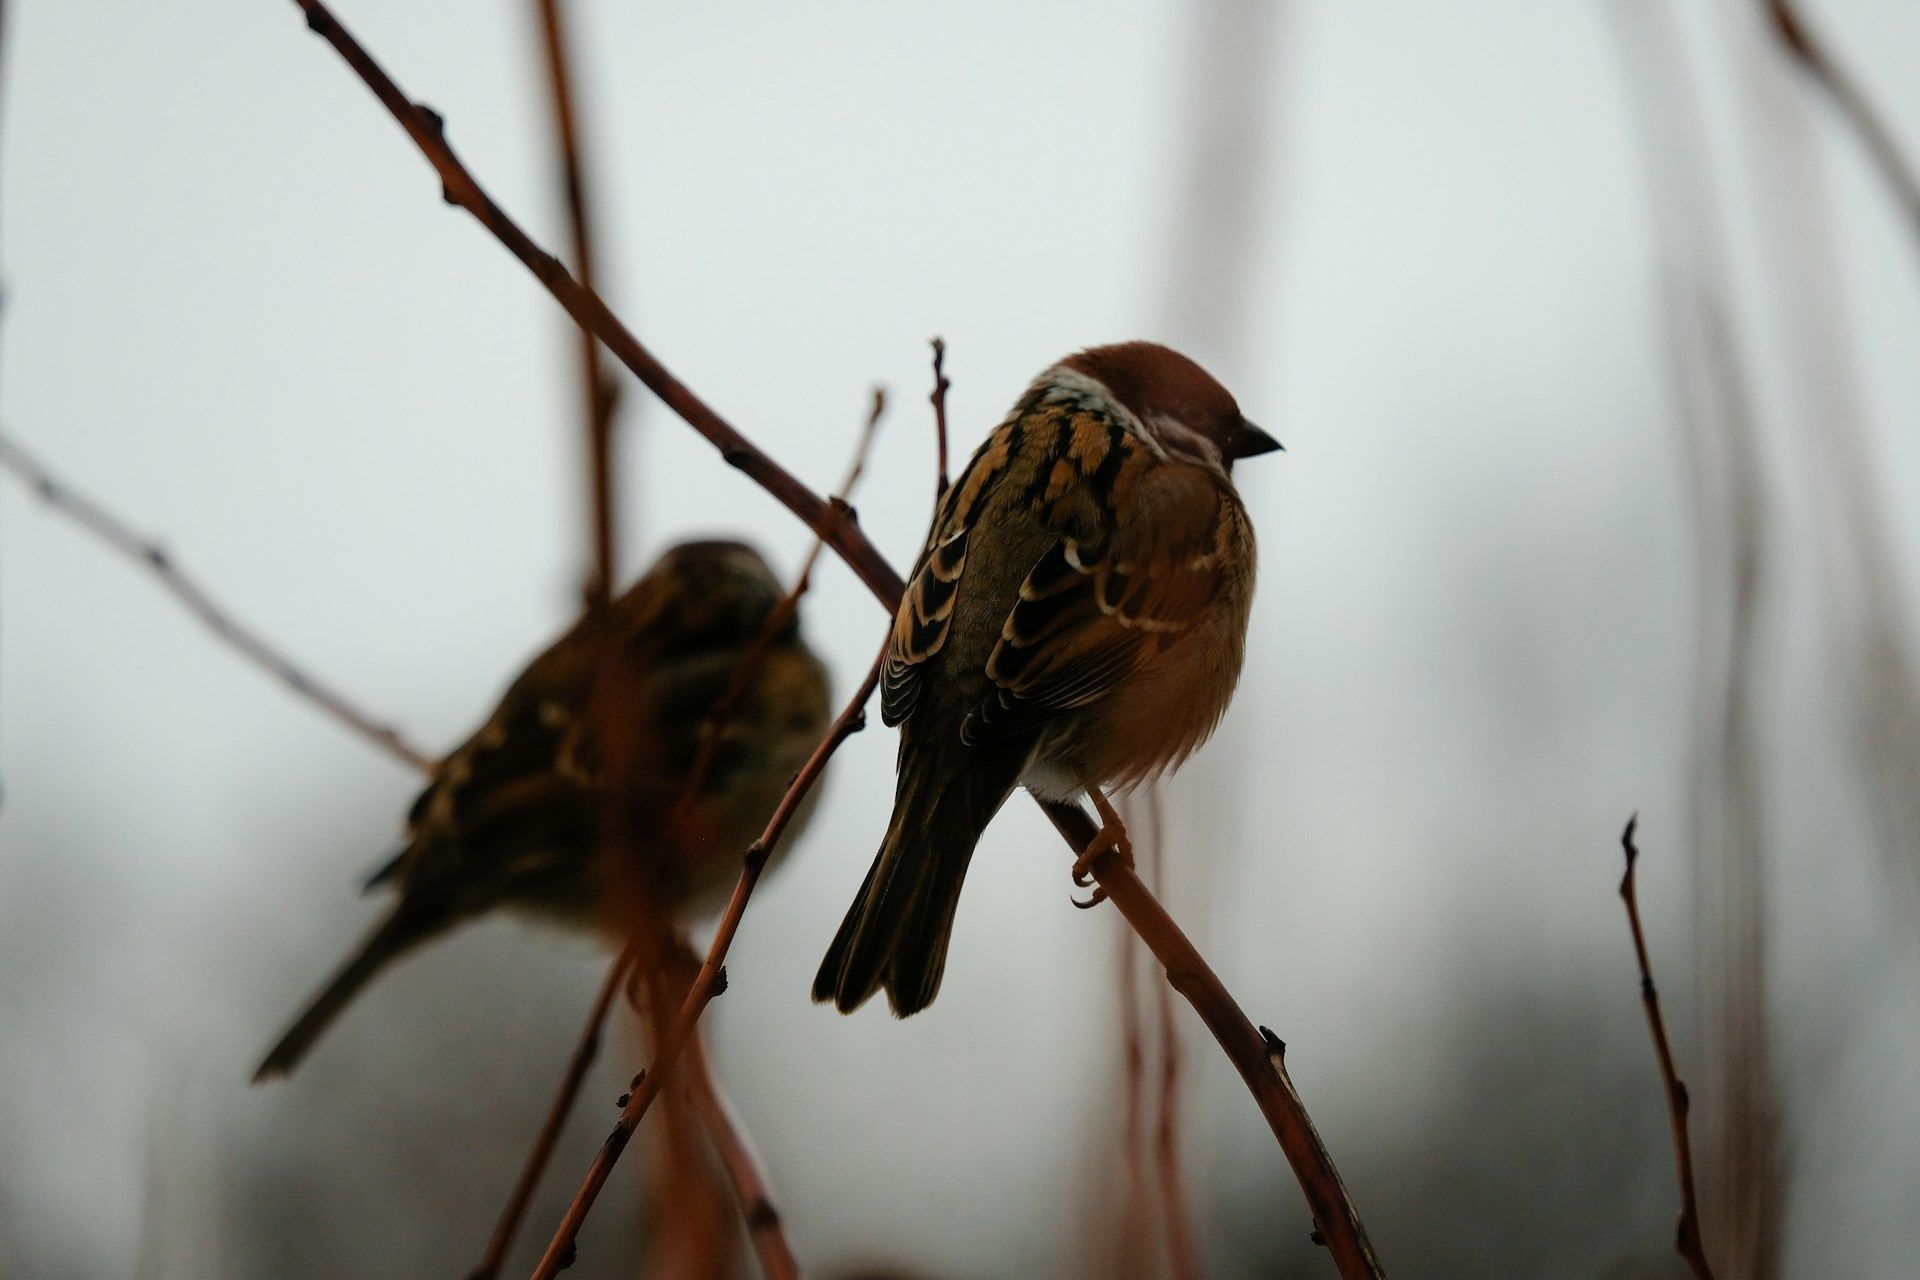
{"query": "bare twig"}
pixel 1265 1079
pixel 1139 1213
pixel 583 1056
pixel 1729 496
pixel 728 705
pixel 741 1163
pixel 710 981
pixel 689 1214
pixel 1845 482
pixel 599 393
pixel 736 1154
pixel 1806 47
pixel 1256 1053
pixel 459 188
pixel 1183 1242
pixel 110 529
pixel 1687 1239
pixel 938 399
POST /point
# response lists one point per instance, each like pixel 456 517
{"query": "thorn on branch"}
pixel 762 1215
pixel 1632 854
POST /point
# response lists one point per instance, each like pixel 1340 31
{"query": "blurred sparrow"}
pixel 1076 620
pixel 522 815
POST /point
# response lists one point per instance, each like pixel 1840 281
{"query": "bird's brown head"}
pixel 703 594
pixel 1183 405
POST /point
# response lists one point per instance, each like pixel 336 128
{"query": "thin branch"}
pixel 762 1222
pixel 938 399
pixel 110 529
pixel 1266 1079
pixel 728 705
pixel 459 188
pixel 1183 1242
pixel 710 981
pixel 1256 1053
pixel 742 1164
pixel 1806 47
pixel 1139 1208
pixel 1726 469
pixel 537 1159
pixel 690 1215
pixel 1687 1239
pixel 599 392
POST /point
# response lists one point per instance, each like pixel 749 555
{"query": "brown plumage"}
pixel 1076 619
pixel 518 816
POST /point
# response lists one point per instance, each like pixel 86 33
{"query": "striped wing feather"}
pixel 1107 595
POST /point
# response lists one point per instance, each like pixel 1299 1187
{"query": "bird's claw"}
pixel 1111 838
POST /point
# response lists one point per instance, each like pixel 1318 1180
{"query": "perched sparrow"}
pixel 1076 620
pixel 529 814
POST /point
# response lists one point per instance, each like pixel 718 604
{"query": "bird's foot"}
pixel 1111 838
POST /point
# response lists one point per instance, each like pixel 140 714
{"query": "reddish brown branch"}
pixel 1687 1239
pixel 1731 502
pixel 749 665
pixel 938 399
pixel 1807 48
pixel 1183 1242
pixel 710 981
pixel 110 529
pixel 598 390
pixel 1254 1052
pixel 1265 1077
pixel 1133 1129
pixel 529 1180
pixel 751 1191
pixel 458 187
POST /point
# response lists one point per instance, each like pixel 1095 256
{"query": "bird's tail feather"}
pixel 400 932
pixel 896 933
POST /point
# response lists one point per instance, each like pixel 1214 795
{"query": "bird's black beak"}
pixel 1249 441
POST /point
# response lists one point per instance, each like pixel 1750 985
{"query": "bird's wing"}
pixel 518 783
pixel 925 615
pixel 1139 556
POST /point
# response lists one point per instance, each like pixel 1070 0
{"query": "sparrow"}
pixel 573 802
pixel 1076 620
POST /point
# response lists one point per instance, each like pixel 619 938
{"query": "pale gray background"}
pixel 238 312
